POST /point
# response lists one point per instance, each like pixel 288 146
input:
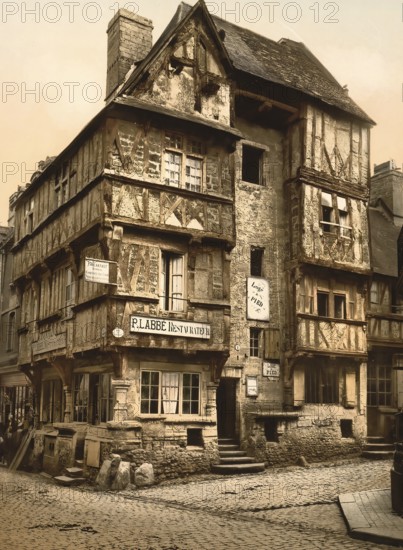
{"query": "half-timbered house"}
pixel 194 263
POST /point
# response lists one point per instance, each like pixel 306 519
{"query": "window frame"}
pixel 335 214
pixel 255 342
pixel 157 397
pixel 52 395
pixel 318 378
pixel 29 215
pixel 171 301
pixel 348 306
pixel 374 376
pixel 187 151
pixel 86 400
pixel 11 331
pixel 246 161
pixel 256 261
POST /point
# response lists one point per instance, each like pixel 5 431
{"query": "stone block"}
pixel 144 475
pixel 122 477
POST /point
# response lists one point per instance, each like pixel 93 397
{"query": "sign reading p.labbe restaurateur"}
pixel 169 327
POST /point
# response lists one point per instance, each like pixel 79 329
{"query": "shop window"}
pixel 171 282
pixel 379 385
pixel 252 164
pixel 255 345
pixel 92 398
pixel 346 427
pixel 256 261
pixel 321 385
pixel 52 401
pixel 16 405
pixel 170 393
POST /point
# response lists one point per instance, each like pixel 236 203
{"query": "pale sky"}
pixel 57 50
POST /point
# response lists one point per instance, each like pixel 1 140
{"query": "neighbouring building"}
pixel 195 263
pixel 16 396
pixel 385 303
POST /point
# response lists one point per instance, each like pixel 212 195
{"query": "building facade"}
pixel 385 306
pixel 195 263
pixel 16 396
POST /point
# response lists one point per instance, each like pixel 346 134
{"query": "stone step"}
pixel 236 460
pixel 69 481
pixel 378 455
pixel 74 472
pixel 379 447
pixel 226 441
pixel 225 454
pixel 79 463
pixel 375 439
pixel 238 468
pixel 228 447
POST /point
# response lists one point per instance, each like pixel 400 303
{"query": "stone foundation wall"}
pixel 316 440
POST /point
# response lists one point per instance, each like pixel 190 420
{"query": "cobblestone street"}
pixel 292 508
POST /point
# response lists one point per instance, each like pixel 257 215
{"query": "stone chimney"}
pixel 129 41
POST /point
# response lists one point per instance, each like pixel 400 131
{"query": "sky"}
pixel 53 66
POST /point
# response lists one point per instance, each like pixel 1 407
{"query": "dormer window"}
pixel 29 216
pixel 62 185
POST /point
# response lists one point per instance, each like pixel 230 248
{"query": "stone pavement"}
pixel 281 509
pixel 369 516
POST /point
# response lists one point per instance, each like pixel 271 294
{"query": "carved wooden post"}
pixel 68 409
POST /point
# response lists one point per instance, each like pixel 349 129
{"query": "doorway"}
pixel 226 408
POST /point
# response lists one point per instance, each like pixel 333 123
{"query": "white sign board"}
pixel 271 370
pixel 169 327
pixel 251 386
pixel 97 271
pixel 257 297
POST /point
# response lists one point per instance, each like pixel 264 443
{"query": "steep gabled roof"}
pixel 286 62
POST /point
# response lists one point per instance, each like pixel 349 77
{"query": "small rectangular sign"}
pixel 257 299
pixel 169 327
pixel 251 386
pixel 97 271
pixel 271 370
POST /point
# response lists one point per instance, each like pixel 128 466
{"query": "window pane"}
pixel 323 304
pixel 340 307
